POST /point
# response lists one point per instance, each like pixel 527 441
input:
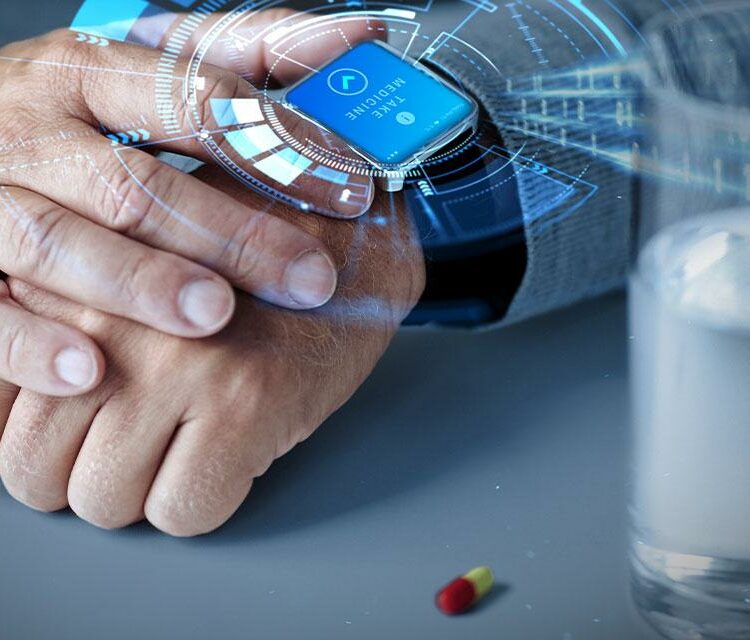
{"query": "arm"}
pixel 577 235
pixel 112 227
pixel 179 428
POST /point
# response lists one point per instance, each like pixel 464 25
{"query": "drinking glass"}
pixel 689 306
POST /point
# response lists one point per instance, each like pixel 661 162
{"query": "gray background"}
pixel 505 448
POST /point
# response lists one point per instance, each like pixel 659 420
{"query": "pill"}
pixel 461 594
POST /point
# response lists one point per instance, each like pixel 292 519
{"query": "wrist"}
pixel 467 208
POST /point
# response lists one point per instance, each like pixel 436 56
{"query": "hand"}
pixel 178 429
pixel 78 222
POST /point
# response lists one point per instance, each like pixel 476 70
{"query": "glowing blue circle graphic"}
pixel 348 82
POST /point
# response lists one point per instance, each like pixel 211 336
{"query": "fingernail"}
pixel 354 200
pixel 206 303
pixel 76 367
pixel 311 279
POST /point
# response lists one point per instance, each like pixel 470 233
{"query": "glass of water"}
pixel 690 329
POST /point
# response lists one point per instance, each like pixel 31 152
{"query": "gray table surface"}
pixel 505 448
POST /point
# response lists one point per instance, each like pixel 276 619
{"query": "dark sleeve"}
pixel 577 204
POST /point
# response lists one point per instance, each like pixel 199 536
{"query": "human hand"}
pixel 138 239
pixel 179 429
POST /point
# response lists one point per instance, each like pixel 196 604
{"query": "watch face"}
pixel 390 109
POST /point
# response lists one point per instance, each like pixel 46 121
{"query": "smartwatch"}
pixel 417 129
pixel 390 109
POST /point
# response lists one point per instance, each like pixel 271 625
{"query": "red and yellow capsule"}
pixel 464 592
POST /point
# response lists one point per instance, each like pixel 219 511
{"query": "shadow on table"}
pixel 436 398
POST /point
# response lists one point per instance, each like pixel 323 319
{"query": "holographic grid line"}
pixel 83 67
pixel 444 37
pixel 603 121
pixel 526 32
pixel 511 158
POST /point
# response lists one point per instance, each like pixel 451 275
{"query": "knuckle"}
pixel 136 279
pixel 14 348
pixel 38 237
pixel 243 253
pixel 131 204
pixel 27 85
pixel 60 45
pixel 68 79
pixel 219 84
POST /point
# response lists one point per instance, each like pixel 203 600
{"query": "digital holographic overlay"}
pixel 587 59
pixel 559 80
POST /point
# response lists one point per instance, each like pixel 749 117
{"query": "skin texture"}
pixel 74 221
pixel 178 429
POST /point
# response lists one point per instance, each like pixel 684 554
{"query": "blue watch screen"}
pixel 386 107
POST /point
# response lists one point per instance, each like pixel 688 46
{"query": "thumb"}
pixel 43 355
